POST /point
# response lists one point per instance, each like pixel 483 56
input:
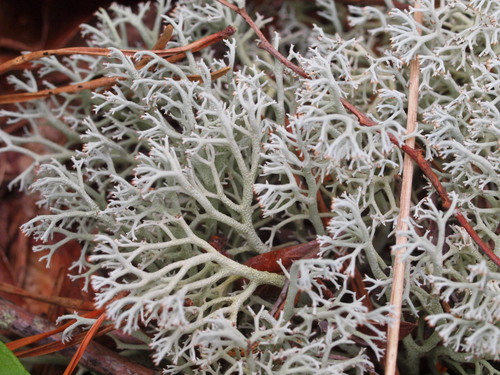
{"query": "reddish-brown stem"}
pixel 27 96
pixel 25 341
pixel 264 43
pixel 89 85
pixel 426 169
pixel 57 346
pixel 174 53
pixel 84 345
pixel 192 47
pixel 161 43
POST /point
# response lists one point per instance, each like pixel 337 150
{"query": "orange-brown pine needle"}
pixel 86 341
pixel 14 345
pixel 191 47
pixel 27 96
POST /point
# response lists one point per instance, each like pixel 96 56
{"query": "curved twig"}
pixel 191 47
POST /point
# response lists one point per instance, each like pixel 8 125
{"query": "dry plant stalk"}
pixel 93 51
pixel 399 264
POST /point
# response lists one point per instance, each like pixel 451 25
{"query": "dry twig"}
pixel 426 169
pixel 84 345
pixel 180 53
pixel 198 45
pixel 399 265
pixel 263 42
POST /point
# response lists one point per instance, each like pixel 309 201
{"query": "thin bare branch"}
pixel 17 62
pixel 84 345
pixel 27 96
pixel 213 76
pixel 399 265
pixel 25 341
pixel 263 42
pixel 162 41
pixel 90 85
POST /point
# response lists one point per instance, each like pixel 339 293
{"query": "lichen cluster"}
pixel 157 164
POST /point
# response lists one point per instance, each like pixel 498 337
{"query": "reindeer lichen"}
pixel 169 155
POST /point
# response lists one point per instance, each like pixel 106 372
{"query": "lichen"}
pixel 156 165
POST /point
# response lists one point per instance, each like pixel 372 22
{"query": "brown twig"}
pixel 264 43
pixel 27 96
pixel 363 119
pixel 57 346
pixel 84 345
pixel 162 41
pixel 191 47
pixel 26 341
pixel 213 76
pixel 174 53
pixel 90 85
pixel 97 357
pixel 426 169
